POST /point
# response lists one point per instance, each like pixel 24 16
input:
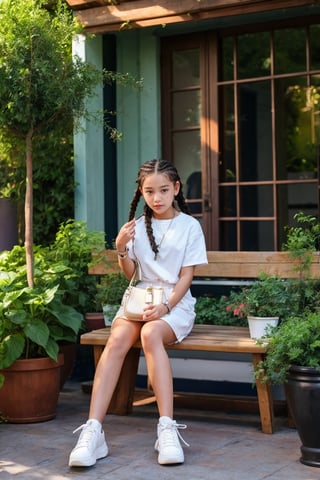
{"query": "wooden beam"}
pixel 139 13
pixel 84 4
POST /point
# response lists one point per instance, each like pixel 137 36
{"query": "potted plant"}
pixel 109 294
pixel 33 322
pixel 302 242
pixel 293 358
pixel 264 302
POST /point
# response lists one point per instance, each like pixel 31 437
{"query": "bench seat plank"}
pixel 209 338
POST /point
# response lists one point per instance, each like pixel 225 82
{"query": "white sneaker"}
pixel 90 447
pixel 168 444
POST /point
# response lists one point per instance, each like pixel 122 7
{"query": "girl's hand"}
pixel 126 233
pixel 154 312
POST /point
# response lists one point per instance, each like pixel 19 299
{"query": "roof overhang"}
pixel 102 16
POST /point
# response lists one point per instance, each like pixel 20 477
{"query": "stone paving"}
pixel 224 447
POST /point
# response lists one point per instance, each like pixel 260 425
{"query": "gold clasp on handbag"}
pixel 149 296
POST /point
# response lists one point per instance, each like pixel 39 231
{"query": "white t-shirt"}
pixel 181 245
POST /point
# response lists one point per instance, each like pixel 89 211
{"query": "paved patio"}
pixel 223 446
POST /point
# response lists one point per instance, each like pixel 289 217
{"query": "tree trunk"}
pixel 28 209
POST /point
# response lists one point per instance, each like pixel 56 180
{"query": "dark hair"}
pixel 148 168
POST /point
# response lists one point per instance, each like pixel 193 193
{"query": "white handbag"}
pixel 136 299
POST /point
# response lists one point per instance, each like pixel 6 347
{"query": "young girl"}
pixel 168 243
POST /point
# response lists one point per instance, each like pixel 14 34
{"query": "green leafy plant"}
pixel 111 289
pixel 302 241
pixel 73 246
pixel 295 342
pixel 33 320
pixel 41 84
pixel 223 310
pixel 269 296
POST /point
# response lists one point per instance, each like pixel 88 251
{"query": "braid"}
pixel 182 202
pixel 147 221
pixel 134 203
pixel 148 168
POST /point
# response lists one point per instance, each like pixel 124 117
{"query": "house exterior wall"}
pixel 88 147
pixel 138 111
pixel 138 118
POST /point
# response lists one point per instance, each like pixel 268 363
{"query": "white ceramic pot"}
pixel 109 312
pixel 258 325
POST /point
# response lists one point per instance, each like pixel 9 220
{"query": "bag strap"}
pixel 137 274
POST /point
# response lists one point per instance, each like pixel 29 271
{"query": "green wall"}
pixel 138 118
pixel 88 148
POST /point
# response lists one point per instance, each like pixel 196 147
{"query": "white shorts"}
pixel 182 316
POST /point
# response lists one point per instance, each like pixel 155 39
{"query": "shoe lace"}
pixel 168 433
pixel 87 434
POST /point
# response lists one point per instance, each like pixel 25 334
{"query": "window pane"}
pixel 227 164
pixel 314 104
pixel 297 126
pixel 298 197
pixel 295 198
pixel 227 64
pixel 185 69
pixel 186 109
pixel 256 201
pixel 254 55
pixel 228 236
pixel 228 201
pixel 290 50
pixel 257 235
pixel 186 151
pixel 315 47
pixel 255 131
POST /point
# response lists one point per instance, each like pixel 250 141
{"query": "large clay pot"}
pixel 303 396
pixel 31 390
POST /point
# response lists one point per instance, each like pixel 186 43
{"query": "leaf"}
pixel 38 332
pixel 66 315
pixel 11 349
pixel 52 349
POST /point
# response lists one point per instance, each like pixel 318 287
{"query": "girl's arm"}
pixel 126 233
pixel 182 286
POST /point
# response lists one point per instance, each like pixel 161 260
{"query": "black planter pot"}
pixel 303 395
pixel 8 224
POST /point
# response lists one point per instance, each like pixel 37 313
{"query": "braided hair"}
pixel 148 168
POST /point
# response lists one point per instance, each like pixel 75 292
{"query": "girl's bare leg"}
pixel 123 335
pixel 153 337
pixel 91 445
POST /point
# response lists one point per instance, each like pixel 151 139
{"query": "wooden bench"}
pixel 209 338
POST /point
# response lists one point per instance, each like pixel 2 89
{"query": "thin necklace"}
pixel 163 236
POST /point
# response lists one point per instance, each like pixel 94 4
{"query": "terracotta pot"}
pixel 31 390
pixel 94 321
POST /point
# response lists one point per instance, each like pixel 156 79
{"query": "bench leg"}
pixel 122 399
pixel 265 400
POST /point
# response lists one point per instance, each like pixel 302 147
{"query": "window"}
pixel 243 121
